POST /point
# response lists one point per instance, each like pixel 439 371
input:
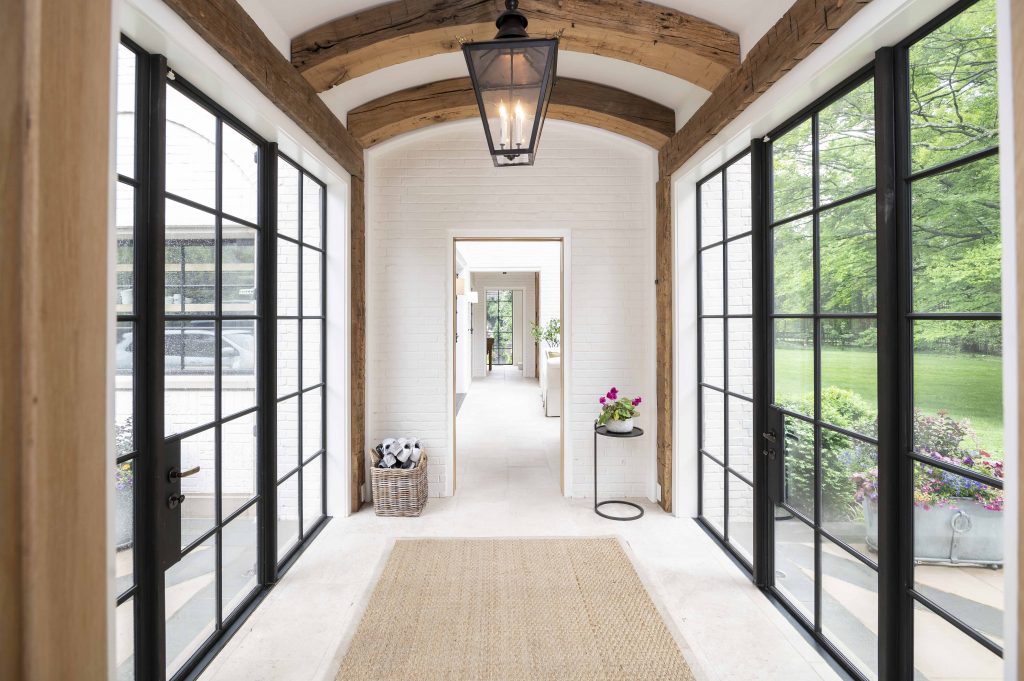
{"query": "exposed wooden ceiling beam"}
pixel 571 100
pixel 805 26
pixel 631 30
pixel 230 30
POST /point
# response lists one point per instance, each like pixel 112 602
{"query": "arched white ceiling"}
pixel 675 93
pixel 749 19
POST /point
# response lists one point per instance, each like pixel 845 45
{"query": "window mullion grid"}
pixel 700 355
pixel 218 361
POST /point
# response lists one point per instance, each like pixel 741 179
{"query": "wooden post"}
pixel 664 260
pixel 357 405
pixel 55 468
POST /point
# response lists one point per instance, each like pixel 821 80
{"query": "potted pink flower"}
pixel 617 413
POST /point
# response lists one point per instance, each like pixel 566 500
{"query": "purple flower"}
pixel 636 402
pixel 602 400
pixel 968 461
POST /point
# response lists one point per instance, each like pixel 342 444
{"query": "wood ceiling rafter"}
pixel 635 31
pixel 573 100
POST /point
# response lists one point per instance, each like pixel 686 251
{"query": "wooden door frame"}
pixel 561 240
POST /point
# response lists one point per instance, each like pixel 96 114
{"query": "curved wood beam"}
pixel 571 100
pixel 631 30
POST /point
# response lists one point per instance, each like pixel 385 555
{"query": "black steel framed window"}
pixel 301 346
pixel 196 362
pixel 500 324
pixel 725 355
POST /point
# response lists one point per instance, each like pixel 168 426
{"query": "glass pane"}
pixel 793 267
pixel 287 199
pixel 741 437
pixel 792 175
pixel 312 283
pixel 312 207
pixel 238 463
pixel 713 359
pixel 958 389
pixel 287 436
pixel 713 494
pixel 711 211
pixel 711 281
pixel 956 240
pixel 287 279
pixel 740 276
pixel 798 465
pixel 741 356
pixel 794 364
pixel 312 423
pixel 312 493
pixel 238 366
pixel 741 516
pixel 714 423
pixel 287 515
pixel 958 546
pixel 739 218
pixel 848 272
pixel 849 374
pixel 191 149
pixel 124 526
pixel 287 356
pixel 849 491
pixel 953 89
pixel 190 350
pixel 124 390
pixel 312 349
pixel 126 75
pixel 794 561
pixel 239 560
pixel 240 169
pixel 846 145
pixel 849 607
pixel 124 645
pixel 125 223
pixel 190 595
pixel 190 261
pixel 199 510
pixel 942 652
pixel 238 269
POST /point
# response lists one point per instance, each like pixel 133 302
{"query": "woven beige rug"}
pixel 512 609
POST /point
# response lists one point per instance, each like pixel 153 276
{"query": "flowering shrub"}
pixel 943 438
pixel 617 408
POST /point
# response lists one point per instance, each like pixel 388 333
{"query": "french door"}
pixel 219 483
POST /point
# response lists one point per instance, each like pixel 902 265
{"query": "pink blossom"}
pixel 602 400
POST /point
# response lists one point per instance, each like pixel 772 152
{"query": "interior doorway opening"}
pixel 508 303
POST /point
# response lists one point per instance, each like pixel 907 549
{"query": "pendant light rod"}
pixel 511 23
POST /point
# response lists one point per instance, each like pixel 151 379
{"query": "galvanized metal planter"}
pixel 963 532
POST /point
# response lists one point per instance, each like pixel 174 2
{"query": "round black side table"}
pixel 602 430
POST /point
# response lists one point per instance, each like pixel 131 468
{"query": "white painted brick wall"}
pixel 598 188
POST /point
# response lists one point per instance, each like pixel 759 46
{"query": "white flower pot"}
pixel 616 426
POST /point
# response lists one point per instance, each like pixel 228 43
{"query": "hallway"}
pixel 507 450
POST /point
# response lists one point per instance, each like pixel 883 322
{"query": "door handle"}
pixel 175 474
pixel 770 436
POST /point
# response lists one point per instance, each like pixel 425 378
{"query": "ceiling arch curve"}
pixel 635 31
pixel 572 100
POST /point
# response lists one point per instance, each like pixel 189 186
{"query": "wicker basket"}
pixel 398 492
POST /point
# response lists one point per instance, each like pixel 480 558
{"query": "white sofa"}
pixel 551 383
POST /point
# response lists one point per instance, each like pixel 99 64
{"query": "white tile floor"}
pixel 733 632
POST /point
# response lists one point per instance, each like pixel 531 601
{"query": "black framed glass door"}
pixel 500 325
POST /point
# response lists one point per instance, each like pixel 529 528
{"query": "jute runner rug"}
pixel 512 609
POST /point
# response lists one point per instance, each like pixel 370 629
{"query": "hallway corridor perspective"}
pixel 507 450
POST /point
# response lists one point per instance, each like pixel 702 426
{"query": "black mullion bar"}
pixel 711 456
pixel 124 458
pixel 964 628
pixel 951 468
pixel 299 242
pixel 816 240
pixel 726 240
pixel 234 515
pixel 725 354
pixel 852 434
pixel 954 316
pixel 762 559
pixel 128 593
pixel 824 207
pixel 954 164
pixel 745 315
pixel 822 315
pixel 218 362
pixel 700 355
pixel 323 348
pixel 302 342
pixel 124 178
pixel 849 549
pixel 150 167
pixel 900 660
pixel 266 479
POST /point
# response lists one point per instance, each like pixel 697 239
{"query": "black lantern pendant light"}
pixel 512 76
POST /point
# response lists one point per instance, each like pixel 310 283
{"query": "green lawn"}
pixel 966 386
